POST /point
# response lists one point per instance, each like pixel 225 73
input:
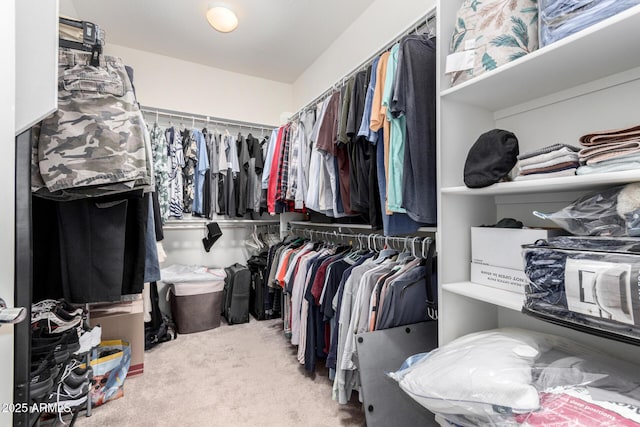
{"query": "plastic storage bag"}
pixel 510 377
pixel 586 283
pixel 611 212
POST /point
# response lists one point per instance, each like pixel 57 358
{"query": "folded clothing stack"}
pixel 610 151
pixel 561 18
pixel 554 160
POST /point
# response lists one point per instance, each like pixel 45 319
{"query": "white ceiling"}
pixel 276 39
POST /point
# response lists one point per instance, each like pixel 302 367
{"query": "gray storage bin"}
pixel 196 306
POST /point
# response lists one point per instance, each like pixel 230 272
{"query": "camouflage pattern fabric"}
pixel 161 169
pixel 39 189
pixel 189 170
pixel 96 136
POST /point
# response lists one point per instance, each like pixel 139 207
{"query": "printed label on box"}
pixel 498 277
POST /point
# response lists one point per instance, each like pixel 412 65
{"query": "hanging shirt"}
pixel 294 161
pixel 241 187
pixel 329 191
pixel 313 193
pixel 228 204
pixel 365 130
pixel 190 149
pixel 176 162
pixel 213 148
pixel 307 121
pixel 256 164
pixel 201 169
pixel 415 97
pixel 160 152
pixel 273 174
pixel 397 138
pixel 271 147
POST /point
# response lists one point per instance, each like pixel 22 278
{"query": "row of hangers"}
pixel 418 247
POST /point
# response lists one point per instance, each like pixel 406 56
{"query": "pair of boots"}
pixel 213 234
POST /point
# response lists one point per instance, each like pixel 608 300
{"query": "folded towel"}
pixel 608 136
pixel 599 153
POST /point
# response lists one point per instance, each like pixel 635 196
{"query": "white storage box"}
pixel 502 247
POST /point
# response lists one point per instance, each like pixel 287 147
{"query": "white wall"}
pixel 66 8
pixel 174 84
pixel 378 25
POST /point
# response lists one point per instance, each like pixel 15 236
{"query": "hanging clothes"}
pixel 256 164
pixel 414 97
pixel 334 292
pixel 177 163
pixel 161 167
pixel 202 166
pixel 190 149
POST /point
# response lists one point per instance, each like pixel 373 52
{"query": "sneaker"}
pixel 55 322
pixel 66 398
pixel 51 305
pixel 40 381
pixel 76 375
pixel 61 346
pixel 52 366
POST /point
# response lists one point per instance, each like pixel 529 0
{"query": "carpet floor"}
pixel 240 375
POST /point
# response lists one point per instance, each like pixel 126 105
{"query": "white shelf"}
pixel 549 185
pixel 603 49
pixel 499 297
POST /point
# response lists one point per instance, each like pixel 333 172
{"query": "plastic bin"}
pixel 196 306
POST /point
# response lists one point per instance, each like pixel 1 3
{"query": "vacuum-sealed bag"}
pixel 586 283
pixel 611 212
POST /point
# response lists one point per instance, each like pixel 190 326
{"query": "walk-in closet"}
pixel 297 213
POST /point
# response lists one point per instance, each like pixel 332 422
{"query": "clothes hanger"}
pixel 405 255
pixel 386 252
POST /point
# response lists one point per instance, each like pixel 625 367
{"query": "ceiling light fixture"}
pixel 222 18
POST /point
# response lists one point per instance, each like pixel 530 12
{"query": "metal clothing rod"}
pixel 426 20
pixel 419 245
pixel 205 119
pixel 201 225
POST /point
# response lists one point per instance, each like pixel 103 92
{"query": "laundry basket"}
pixel 196 306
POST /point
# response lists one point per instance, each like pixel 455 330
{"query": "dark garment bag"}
pixel 237 289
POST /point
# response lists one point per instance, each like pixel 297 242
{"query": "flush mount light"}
pixel 222 18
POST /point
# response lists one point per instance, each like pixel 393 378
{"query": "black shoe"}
pixel 61 348
pixel 41 381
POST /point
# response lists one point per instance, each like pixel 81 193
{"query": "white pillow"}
pixel 479 374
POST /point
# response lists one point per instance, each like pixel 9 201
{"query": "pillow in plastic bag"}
pixel 611 212
pixel 478 374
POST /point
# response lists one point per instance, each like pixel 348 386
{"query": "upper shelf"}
pixel 549 185
pixel 603 49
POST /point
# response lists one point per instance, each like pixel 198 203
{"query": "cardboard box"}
pixel 508 279
pixel 502 247
pixel 123 321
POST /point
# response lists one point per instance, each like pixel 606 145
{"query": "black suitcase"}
pixel 237 286
pixel 258 301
